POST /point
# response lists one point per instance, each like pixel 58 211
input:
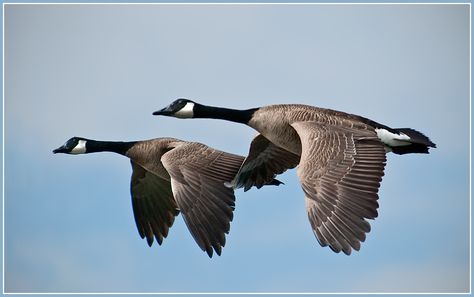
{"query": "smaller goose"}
pixel 340 157
pixel 171 176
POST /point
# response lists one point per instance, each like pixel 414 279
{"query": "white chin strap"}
pixel 80 148
pixel 186 111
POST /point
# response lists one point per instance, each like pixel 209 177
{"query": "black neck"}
pixel 119 147
pixel 234 115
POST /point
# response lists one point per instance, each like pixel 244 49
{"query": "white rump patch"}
pixel 229 185
pixel 185 112
pixel 392 139
pixel 80 148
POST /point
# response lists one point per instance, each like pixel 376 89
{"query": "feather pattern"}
pixel 340 172
pixel 198 184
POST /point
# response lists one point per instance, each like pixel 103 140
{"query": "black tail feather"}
pixel 419 143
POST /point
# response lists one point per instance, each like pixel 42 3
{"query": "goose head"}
pixel 74 146
pixel 180 108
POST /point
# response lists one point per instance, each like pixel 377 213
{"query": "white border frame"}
pixel 235 293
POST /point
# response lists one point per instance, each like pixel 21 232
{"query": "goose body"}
pixel 340 158
pixel 275 123
pixel 170 176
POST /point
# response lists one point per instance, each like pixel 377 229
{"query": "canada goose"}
pixel 171 176
pixel 341 160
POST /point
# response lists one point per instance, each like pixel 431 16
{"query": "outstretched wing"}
pixel 264 162
pixel 340 172
pixel 153 204
pixel 198 176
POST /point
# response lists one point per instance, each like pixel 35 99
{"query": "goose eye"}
pixel 71 143
pixel 179 104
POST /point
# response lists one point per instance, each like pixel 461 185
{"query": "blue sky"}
pixel 99 71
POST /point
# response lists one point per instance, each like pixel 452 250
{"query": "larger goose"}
pixel 341 160
pixel 171 176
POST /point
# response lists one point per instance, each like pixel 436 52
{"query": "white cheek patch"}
pixel 186 111
pixel 392 139
pixel 80 148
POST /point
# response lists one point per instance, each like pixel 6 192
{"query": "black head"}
pixel 180 108
pixel 75 145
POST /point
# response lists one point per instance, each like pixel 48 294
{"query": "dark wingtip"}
pixel 275 182
pixel 159 240
pixel 149 240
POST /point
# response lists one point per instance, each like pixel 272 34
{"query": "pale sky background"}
pixel 99 71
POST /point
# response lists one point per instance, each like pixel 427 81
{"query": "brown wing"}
pixel 340 172
pixel 154 207
pixel 198 176
pixel 264 162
